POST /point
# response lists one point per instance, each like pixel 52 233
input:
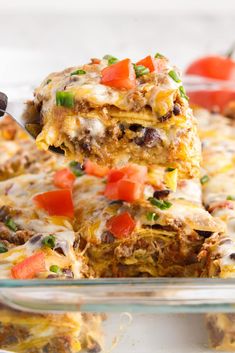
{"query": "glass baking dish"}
pixel 142 315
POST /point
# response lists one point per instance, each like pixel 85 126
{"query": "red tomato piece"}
pixel 215 67
pixel 135 172
pixel 56 202
pixel 121 225
pixel 129 190
pixel 211 99
pixel 64 178
pixel 148 62
pixel 111 191
pixel 114 175
pixel 29 267
pixel 93 168
pixel 120 75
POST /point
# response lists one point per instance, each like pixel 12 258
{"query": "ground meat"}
pixel 107 238
pixel 136 101
pixel 17 238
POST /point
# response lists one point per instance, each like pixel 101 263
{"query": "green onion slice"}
pixel 111 59
pixel 65 99
pixel 152 216
pixel 174 76
pixel 141 70
pixel 159 56
pixel 78 72
pixel 3 248
pixel 204 179
pixel 11 224
pixel 161 204
pixel 76 168
pixel 231 198
pixel 54 268
pixel 183 92
pixel 49 241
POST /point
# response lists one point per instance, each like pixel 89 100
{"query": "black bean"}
pixel 68 273
pixel 232 256
pixel 135 127
pixel 94 348
pixel 116 202
pixel 3 103
pixel 204 233
pixel 35 238
pixel 149 139
pixel 86 146
pixel 176 109
pixel 107 238
pixel 165 117
pixel 161 194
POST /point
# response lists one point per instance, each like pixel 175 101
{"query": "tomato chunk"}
pixel 29 267
pixel 121 225
pixel 114 175
pixel 129 190
pixel 56 202
pixel 120 75
pixel 148 62
pixel 212 99
pixel 111 191
pixel 135 172
pixel 93 168
pixel 64 178
pixel 215 67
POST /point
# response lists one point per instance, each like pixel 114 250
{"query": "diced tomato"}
pixel 212 99
pixel 29 267
pixel 56 202
pixel 215 67
pixel 120 75
pixel 135 172
pixel 93 168
pixel 64 178
pixel 111 191
pixel 121 225
pixel 129 190
pixel 114 175
pixel 148 62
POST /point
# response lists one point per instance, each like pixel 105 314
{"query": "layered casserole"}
pixel 113 112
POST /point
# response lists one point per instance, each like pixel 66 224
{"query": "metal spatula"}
pixel 25 116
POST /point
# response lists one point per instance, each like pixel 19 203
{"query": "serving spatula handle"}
pixel 3 103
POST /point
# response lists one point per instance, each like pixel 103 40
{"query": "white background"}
pixel 37 37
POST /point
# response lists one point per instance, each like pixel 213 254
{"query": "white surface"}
pixel 159 334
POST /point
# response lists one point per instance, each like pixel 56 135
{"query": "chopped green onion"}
pixel 76 168
pixel 78 72
pixel 159 56
pixel 11 224
pixel 3 248
pixel 204 179
pixel 111 59
pixel 231 198
pixel 48 81
pixel 162 204
pixel 170 169
pixel 141 70
pixel 152 216
pixel 183 92
pixel 54 268
pixel 65 99
pixel 174 76
pixel 49 241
